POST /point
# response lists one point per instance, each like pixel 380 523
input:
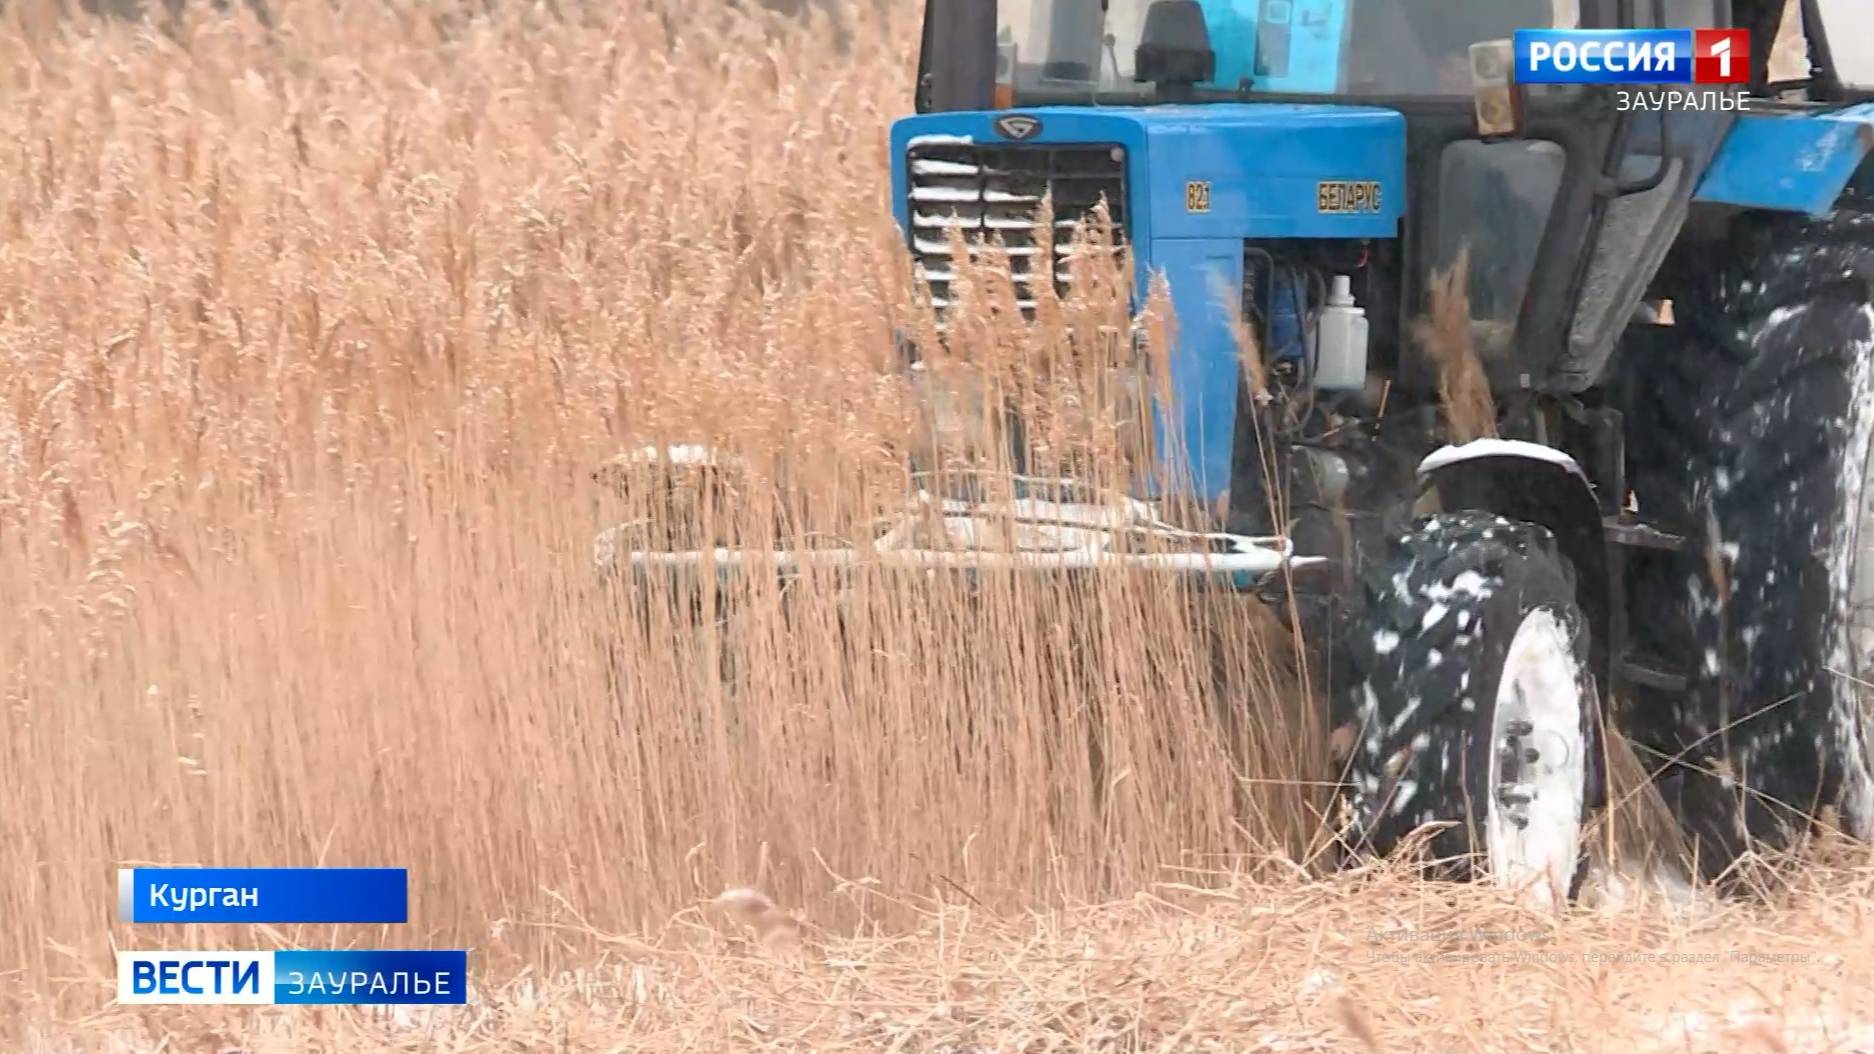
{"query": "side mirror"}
pixel 1174 48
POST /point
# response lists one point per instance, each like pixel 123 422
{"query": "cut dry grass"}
pixel 1378 962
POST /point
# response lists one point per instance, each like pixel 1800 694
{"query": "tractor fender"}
pixel 1535 484
pixel 1790 162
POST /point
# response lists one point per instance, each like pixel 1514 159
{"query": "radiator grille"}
pixel 991 192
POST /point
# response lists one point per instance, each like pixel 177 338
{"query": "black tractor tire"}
pixel 1417 695
pixel 1750 430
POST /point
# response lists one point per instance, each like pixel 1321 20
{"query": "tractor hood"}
pixel 1197 182
pixel 1218 170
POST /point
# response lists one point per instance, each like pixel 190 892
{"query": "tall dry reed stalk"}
pixel 310 340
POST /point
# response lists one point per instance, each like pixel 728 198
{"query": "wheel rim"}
pixel 1538 763
pixel 1857 637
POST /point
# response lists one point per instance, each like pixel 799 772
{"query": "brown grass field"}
pixel 310 342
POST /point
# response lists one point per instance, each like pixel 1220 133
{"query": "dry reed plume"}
pixel 311 342
pixel 1445 334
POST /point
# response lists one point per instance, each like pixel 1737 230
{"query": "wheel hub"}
pixel 1513 756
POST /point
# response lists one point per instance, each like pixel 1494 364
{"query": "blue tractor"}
pixel 1665 524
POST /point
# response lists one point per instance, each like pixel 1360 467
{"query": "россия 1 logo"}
pixel 1633 56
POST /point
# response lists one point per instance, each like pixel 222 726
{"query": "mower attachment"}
pixel 969 522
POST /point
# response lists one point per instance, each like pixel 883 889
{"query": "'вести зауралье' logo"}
pixel 1633 56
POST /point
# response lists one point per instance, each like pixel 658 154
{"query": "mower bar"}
pixel 1025 534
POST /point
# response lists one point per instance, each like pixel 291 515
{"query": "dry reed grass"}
pixel 309 343
pixel 1445 334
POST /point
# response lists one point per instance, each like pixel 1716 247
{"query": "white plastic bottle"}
pixel 1340 357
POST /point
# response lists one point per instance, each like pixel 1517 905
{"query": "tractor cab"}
pixel 1138 51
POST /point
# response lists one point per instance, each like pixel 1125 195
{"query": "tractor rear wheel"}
pixel 1466 689
pixel 1754 433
